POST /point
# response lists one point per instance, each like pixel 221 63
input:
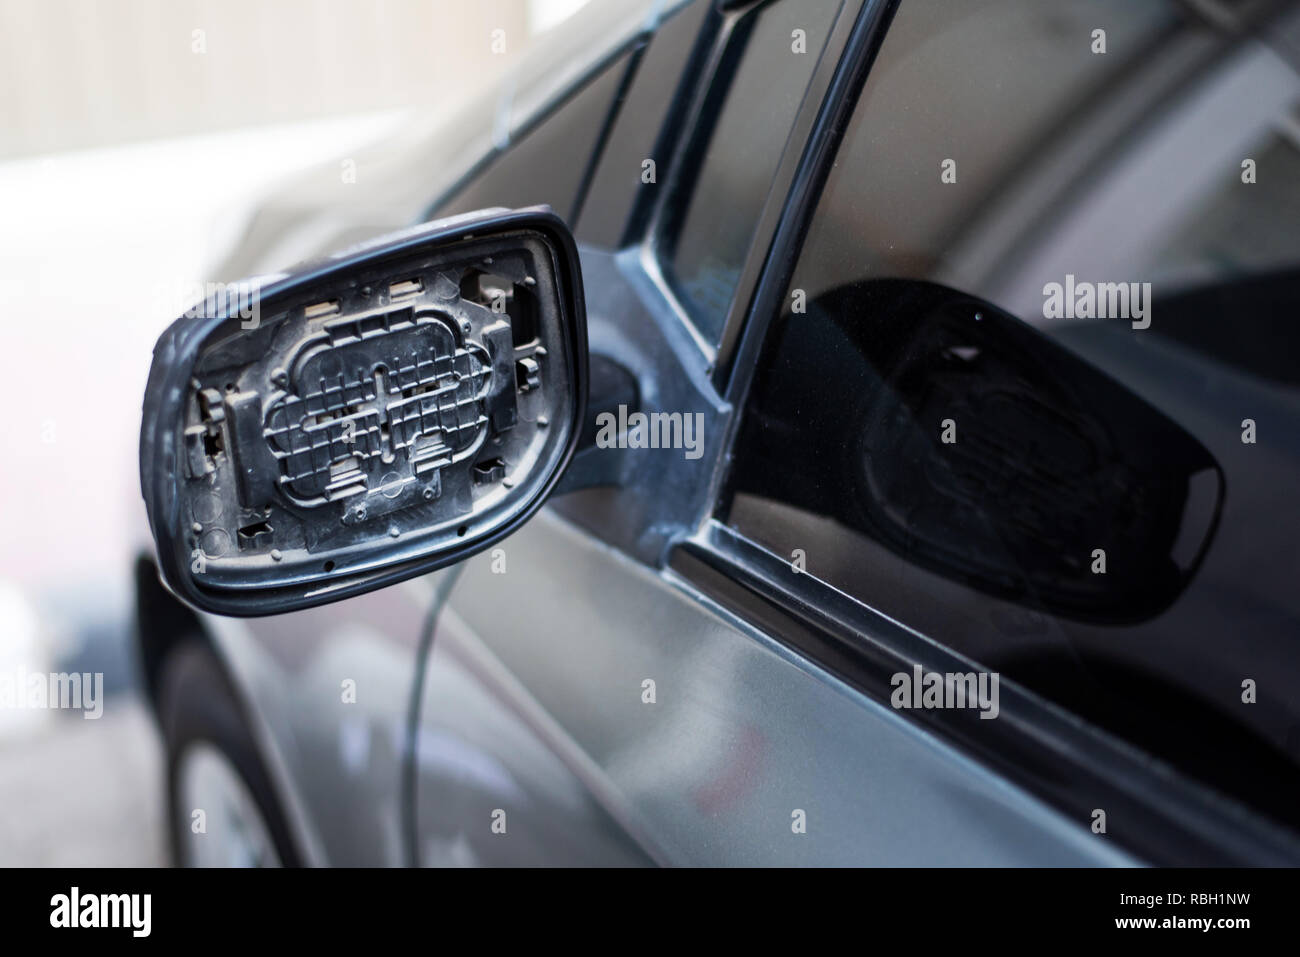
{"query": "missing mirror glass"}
pixel 387 411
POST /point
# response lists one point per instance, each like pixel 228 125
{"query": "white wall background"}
pixel 78 73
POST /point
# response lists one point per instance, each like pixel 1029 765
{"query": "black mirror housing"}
pixel 365 418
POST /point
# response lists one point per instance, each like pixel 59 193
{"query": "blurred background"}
pixel 136 139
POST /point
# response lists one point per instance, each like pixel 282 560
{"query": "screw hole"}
pixel 329 566
pixel 462 530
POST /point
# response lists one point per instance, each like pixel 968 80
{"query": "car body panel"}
pixel 327 692
pixel 742 732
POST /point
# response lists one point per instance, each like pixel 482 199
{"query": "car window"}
pixel 546 164
pixel 659 73
pixel 770 59
pixel 542 123
pixel 1035 388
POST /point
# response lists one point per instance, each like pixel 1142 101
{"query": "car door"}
pixel 643 674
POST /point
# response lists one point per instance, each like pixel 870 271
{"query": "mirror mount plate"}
pixel 367 417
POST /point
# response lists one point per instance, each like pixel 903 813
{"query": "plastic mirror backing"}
pixel 367 417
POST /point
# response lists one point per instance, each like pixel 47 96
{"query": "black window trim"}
pixel 789 217
pixel 690 133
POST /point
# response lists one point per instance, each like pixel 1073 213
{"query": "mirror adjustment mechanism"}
pixel 380 414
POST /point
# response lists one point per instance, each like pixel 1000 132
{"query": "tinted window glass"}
pixel 548 163
pixel 1036 388
pixel 726 186
pixel 616 187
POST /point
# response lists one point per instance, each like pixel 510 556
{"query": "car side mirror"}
pixel 365 418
